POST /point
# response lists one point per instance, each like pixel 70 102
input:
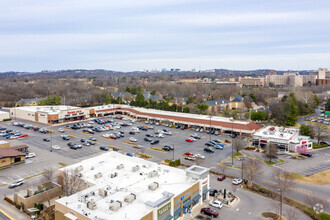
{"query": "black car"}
pixel 70 144
pixel 213 192
pixel 46 139
pixel 147 139
pixel 73 147
pixel 83 140
pixel 91 142
pixel 209 144
pixel 209 150
pixel 154 142
pixel 306 154
pixel 169 147
pixel 36 129
pixel 148 135
pixel 131 132
pixel 195 137
pixel 325 142
pixel 66 138
pixel 92 138
pixel 104 148
pixel 166 148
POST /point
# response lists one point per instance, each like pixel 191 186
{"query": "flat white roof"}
pixel 280 133
pixel 180 114
pixel 171 181
pixel 2 112
pixel 3 142
pixel 54 109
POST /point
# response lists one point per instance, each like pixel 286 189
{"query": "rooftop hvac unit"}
pixel 130 198
pixel 98 175
pixel 153 173
pixel 153 186
pixel 80 168
pixel 115 205
pixel 120 166
pixel 113 175
pixel 135 168
pixel 103 192
pixel 91 204
pixel 145 166
pixel 265 132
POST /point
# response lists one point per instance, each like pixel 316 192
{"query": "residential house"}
pixel 181 101
pixel 28 102
pixel 236 102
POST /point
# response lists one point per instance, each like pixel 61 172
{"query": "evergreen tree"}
pixel 292 117
pixel 108 99
pixel 139 99
pixel 327 105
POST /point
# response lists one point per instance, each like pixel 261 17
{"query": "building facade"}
pixel 249 81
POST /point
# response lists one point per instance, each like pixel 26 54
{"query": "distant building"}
pixel 219 105
pixel 4 115
pixel 11 155
pixel 249 81
pixel 272 73
pixel 290 79
pixel 322 76
pixel 29 102
pixel 190 80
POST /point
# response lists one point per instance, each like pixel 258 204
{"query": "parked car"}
pixel 73 147
pixel 237 181
pixel 83 140
pixel 30 155
pixel 16 183
pixel 210 212
pixel 166 148
pixel 147 139
pixel 23 135
pixel 209 150
pixel 92 138
pixel 214 192
pixel 149 135
pixel 154 142
pixel 188 154
pixel 189 140
pixel 325 142
pixel 218 146
pixel 56 147
pixel 104 148
pixel 210 144
pixel 61 130
pixel 132 139
pixel 46 139
pixel 130 154
pixel 190 158
pixel 200 156
pixel 221 177
pixel 306 154
pixel 66 138
pixel 216 204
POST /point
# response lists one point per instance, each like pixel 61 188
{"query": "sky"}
pixel 130 35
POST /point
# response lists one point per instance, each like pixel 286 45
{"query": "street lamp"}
pixel 210 127
pixel 232 138
pixel 242 159
pixel 281 191
pixel 173 151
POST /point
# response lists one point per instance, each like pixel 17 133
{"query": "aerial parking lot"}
pixel 119 132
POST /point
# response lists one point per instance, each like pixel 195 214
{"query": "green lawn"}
pixel 281 160
pixel 269 163
pixel 239 154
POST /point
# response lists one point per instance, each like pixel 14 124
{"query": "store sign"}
pixel 164 209
pixel 205 181
pixel 75 112
pixel 303 142
pixel 42 115
pixel 182 197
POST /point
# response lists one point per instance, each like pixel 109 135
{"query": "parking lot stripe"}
pixel 10 178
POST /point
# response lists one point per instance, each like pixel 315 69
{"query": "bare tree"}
pixel 271 151
pixel 284 181
pixel 291 213
pixel 48 174
pixel 238 144
pixel 234 188
pixel 223 168
pixel 320 131
pixel 253 168
pixel 71 181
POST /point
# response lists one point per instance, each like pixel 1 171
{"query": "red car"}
pixel 221 177
pixel 210 212
pixel 113 137
pixel 23 135
pixel 189 140
pixel 188 154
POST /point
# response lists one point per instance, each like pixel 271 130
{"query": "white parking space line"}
pixel 10 178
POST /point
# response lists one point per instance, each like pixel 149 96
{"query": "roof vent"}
pixel 98 175
pixel 120 166
pixel 91 204
pixel 115 205
pixel 130 198
pixel 80 168
pixel 153 186
pixel 113 175
pixel 135 168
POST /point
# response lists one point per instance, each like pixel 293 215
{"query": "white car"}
pixel 13 137
pixel 237 181
pixel 167 133
pixel 30 155
pixel 200 156
pixel 78 145
pixel 61 130
pixel 160 135
pixel 216 204
pixel 56 147
pixel 16 183
pixel 132 139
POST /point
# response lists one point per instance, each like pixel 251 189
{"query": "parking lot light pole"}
pixel 281 191
pixel 210 127
pixel 232 138
pixel 242 159
pixel 173 151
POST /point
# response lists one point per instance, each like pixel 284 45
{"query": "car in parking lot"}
pixel 147 139
pixel 210 144
pixel 306 154
pixel 83 140
pixel 188 154
pixel 104 148
pixel 200 156
pixel 30 155
pixel 237 181
pixel 149 135
pixel 154 142
pixel 132 139
pixel 23 136
pixel 56 147
pixel 214 192
pixel 16 183
pixel 190 158
pixel 189 140
pixel 92 138
pixel 325 142
pixel 209 150
pixel 46 139
pixel 61 130
pixel 221 177
pixel 86 144
pixel 218 146
pixel 216 204
pixel 70 144
pixel 210 212
pixel 130 154
pixel 90 142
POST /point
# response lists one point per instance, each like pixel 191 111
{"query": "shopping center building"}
pixel 287 139
pixel 122 187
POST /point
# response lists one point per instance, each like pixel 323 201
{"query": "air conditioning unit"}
pixel 91 204
pixel 135 168
pixel 103 192
pixel 80 168
pixel 130 198
pixel 153 186
pixel 120 166
pixel 113 175
pixel 115 205
pixel 98 175
pixel 153 173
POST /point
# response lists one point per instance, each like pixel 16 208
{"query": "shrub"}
pixel 175 163
pixel 9 200
pixel 315 146
pixel 7 119
pixel 17 206
pixel 261 190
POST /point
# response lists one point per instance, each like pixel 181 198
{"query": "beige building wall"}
pixel 4 144
pixel 22 114
pixel 249 81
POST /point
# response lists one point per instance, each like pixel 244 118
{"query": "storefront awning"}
pixel 197 197
pixel 178 211
pixel 206 191
pixel 168 217
pixel 187 204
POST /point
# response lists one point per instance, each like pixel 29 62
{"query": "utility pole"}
pixel 281 191
pixel 210 127
pixel 232 138
pixel 173 151
pixel 242 159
